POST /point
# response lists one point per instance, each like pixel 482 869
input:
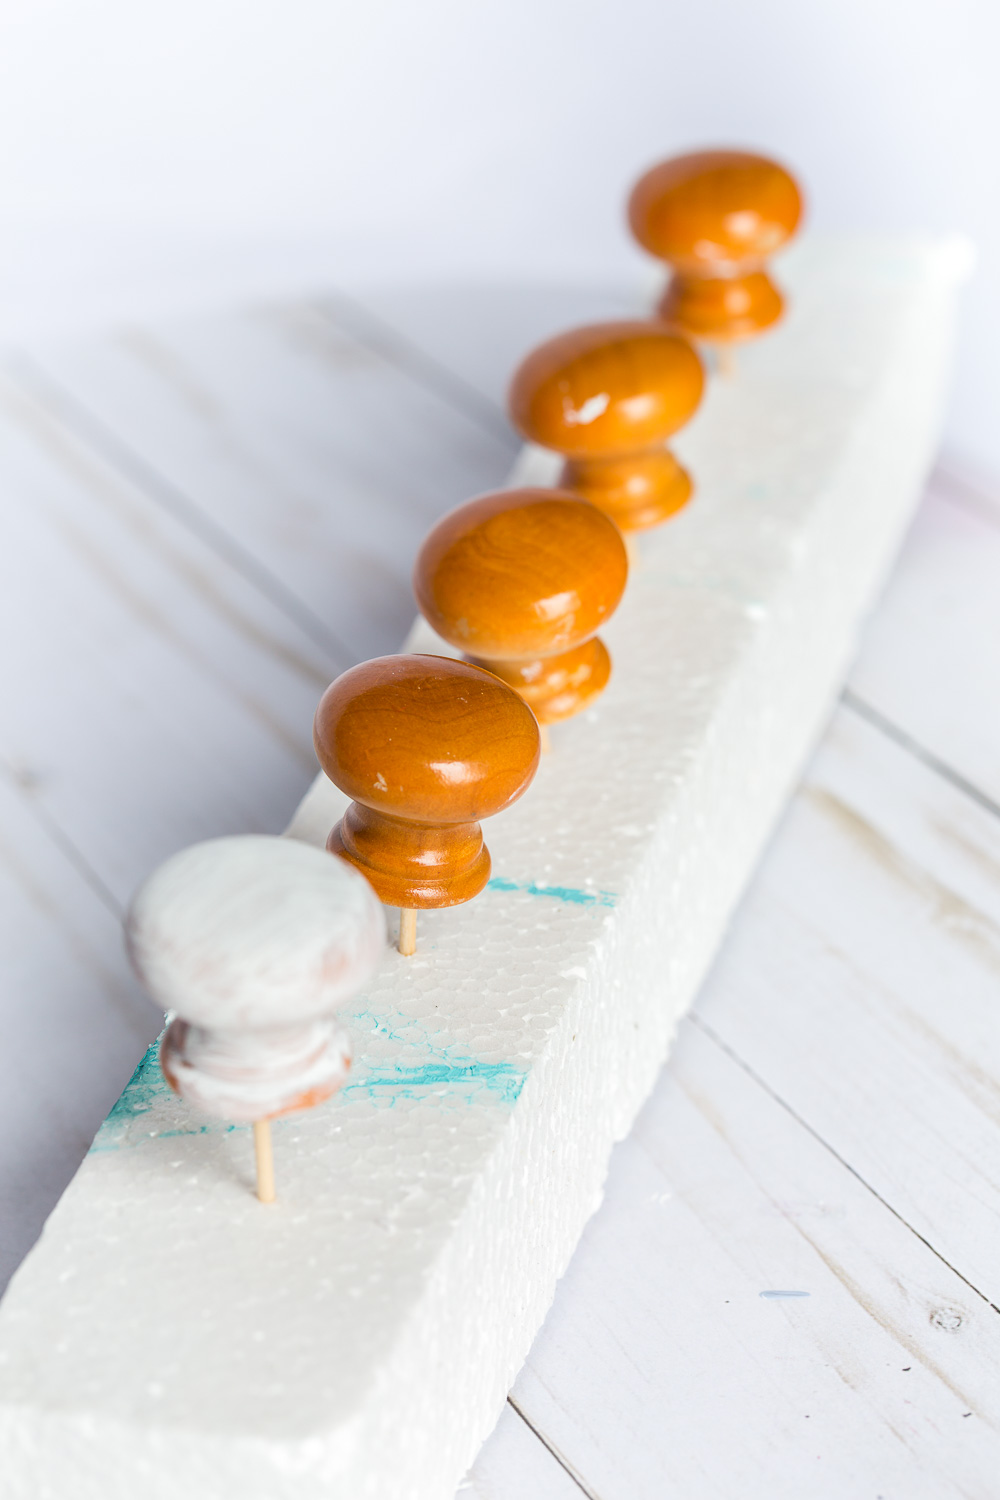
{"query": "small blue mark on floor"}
pixel 554 892
pixel 785 1294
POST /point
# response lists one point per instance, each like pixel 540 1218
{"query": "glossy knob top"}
pixel 520 574
pixel 713 208
pixel 606 389
pixel 254 933
pixel 426 739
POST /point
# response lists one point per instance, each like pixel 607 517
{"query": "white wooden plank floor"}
pixel 792 1288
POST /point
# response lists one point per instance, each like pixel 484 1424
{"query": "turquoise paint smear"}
pixel 556 892
pixel 145 1088
pixel 144 1093
pixel 430 1070
pixel 470 1080
pixel 445 1068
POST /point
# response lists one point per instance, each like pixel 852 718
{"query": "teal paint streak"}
pixel 146 1086
pixel 103 1142
pixel 556 892
pixel 145 1091
pixel 417 1067
pixel 470 1079
pixel 444 1070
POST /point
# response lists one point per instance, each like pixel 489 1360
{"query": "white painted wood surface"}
pixel 829 1124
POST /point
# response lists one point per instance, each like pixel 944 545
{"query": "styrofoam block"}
pixel 169 1337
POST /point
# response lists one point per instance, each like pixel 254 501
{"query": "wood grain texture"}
pixel 271 425
pixel 520 581
pixel 655 1294
pixel 516 1465
pixel 715 217
pixel 856 992
pixel 72 1018
pixel 170 667
pixel 879 1034
pixel 425 746
pixel 744 1317
pixel 185 661
pixel 608 396
pixel 930 670
pixel 477 333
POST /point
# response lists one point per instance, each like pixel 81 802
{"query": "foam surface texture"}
pixel 169 1337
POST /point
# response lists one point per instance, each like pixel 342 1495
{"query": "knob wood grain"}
pixel 426 747
pixel 716 217
pixel 608 396
pixel 521 580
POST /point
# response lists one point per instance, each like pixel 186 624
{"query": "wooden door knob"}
pixel 608 396
pixel 426 747
pixel 716 217
pixel 521 581
pixel 254 942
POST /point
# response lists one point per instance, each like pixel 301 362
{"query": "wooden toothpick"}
pixel 545 738
pixel 407 931
pixel 726 360
pixel 265 1160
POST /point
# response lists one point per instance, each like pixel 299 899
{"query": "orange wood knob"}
pixel 521 580
pixel 716 216
pixel 608 396
pixel 425 746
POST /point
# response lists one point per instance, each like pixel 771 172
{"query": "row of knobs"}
pixel 255 942
pixel 521 581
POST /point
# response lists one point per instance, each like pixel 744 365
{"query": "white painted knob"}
pixel 254 942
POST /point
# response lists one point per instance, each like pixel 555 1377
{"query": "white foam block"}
pixel 169 1337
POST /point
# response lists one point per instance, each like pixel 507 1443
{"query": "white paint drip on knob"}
pixel 255 1075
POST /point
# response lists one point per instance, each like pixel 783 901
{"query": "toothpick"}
pixel 726 360
pixel 407 931
pixel 265 1160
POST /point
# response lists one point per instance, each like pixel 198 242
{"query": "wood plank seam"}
pixel 351 316
pixel 585 1491
pixel 731 1052
pixel 88 429
pixel 878 720
pixel 22 786
pixel 550 1447
pixel 906 742
pixel 75 456
pixel 967 493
